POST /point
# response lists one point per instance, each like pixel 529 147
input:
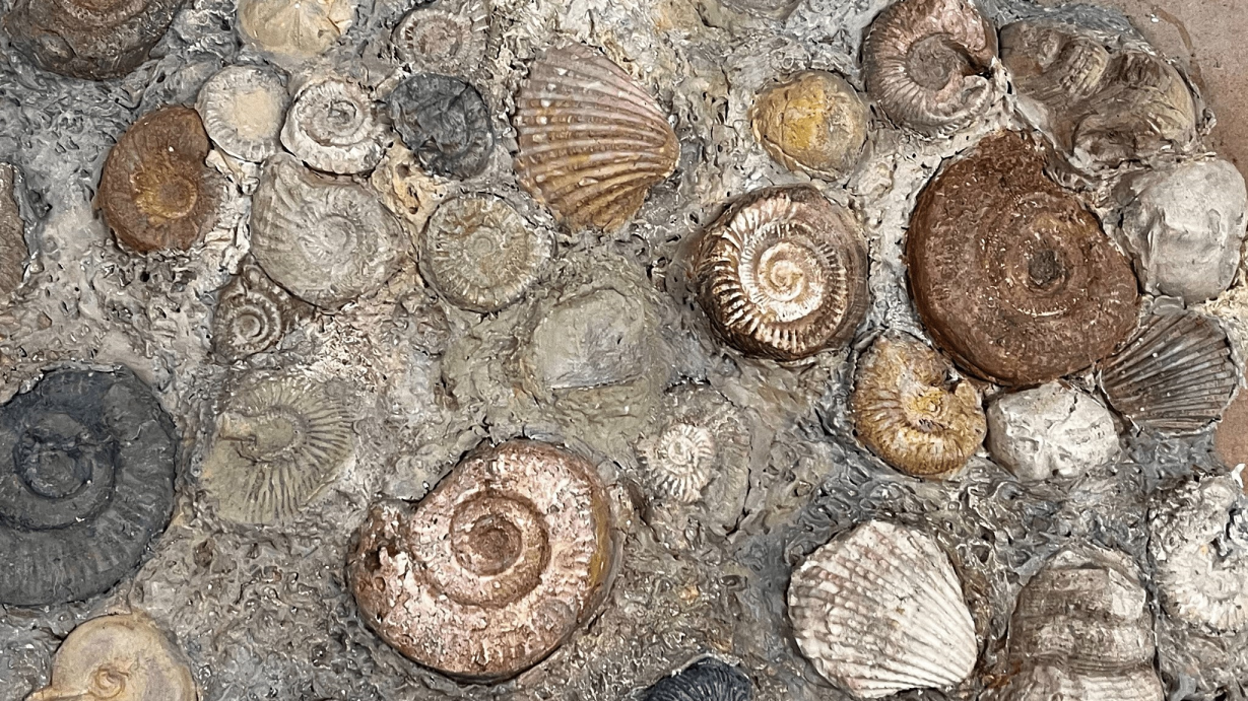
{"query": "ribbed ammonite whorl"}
pixel 1011 275
pixel 783 273
pixel 494 569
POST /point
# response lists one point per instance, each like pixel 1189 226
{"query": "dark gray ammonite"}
pixel 444 121
pixel 705 680
pixel 86 481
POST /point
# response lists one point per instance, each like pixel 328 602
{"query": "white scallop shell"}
pixel 333 126
pixel 242 108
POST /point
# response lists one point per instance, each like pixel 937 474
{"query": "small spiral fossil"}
pixel 242 109
pixel 443 41
pixel 91 39
pixel 332 127
pixel 445 122
pixel 252 315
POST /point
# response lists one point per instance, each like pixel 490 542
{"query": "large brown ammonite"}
pixel 494 569
pixel 1011 275
pixel 783 273
pixel 92 39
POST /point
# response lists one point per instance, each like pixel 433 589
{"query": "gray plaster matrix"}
pixel 346 346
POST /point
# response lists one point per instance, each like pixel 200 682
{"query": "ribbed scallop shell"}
pixel 443 40
pixel 592 141
pixel 242 109
pixel 332 126
pixel 880 610
pixel 1176 376
pixel 707 679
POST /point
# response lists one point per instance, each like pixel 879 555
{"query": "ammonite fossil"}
pixel 592 141
pixel 88 38
pixel 880 610
pixel 926 63
pixel 331 125
pixel 783 273
pixel 814 123
pixel 293 31
pixel 445 122
pixel 908 410
pixel 13 250
pixel 86 481
pixel 1051 431
pixel 252 315
pixel 707 679
pixel 480 254
pixel 442 40
pixel 242 109
pixel 280 440
pixel 1011 275
pixel 494 569
pixel 156 192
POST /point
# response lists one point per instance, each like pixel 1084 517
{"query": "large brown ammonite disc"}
pixel 783 273
pixel 494 569
pixel 91 39
pixel 1011 275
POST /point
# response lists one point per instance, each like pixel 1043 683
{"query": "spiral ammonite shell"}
pixel 783 274
pixel 1011 275
pixel 252 316
pixel 92 39
pixel 494 569
pixel 814 123
pixel 86 482
pixel 155 191
pixel 332 126
pixel 445 122
pixel 242 109
pixel 440 40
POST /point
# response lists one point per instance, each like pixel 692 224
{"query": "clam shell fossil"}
pixel 86 482
pixel 331 126
pixel 814 123
pixel 252 315
pixel 1176 376
pixel 326 242
pixel 442 40
pixel 445 122
pixel 908 411
pixel 707 679
pixel 494 569
pixel 592 140
pixel 481 255
pixel 242 109
pixel 280 440
pixel 155 191
pixel 1051 431
pixel 1011 275
pixel 926 63
pixel 783 274
pixel 13 250
pixel 293 31
pixel 87 39
pixel 880 610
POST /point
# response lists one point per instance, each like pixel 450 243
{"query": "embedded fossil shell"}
pixel 814 123
pixel 880 610
pixel 332 127
pixel 445 122
pixel 1176 376
pixel 324 241
pixel 252 315
pixel 1231 438
pixel 926 61
pixel 86 481
pixel 907 410
pixel 123 658
pixel 1049 431
pixel 280 440
pixel 442 41
pixel 494 569
pixel 708 679
pixel 783 274
pixel 155 191
pixel 1011 276
pixel 1082 630
pixel 13 250
pixel 242 108
pixel 481 255
pixel 294 30
pixel 592 141
pixel 89 39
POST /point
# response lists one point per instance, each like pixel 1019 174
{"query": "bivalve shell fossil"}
pixel 1051 431
pixel 494 569
pixel 441 40
pixel 252 315
pixel 88 38
pixel 880 610
pixel 242 109
pixel 592 140
pixel 293 31
pixel 13 250
pixel 783 274
pixel 332 126
pixel 707 679
pixel 814 123
pixel 445 122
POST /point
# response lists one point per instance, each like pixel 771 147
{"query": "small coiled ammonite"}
pixel 92 39
pixel 445 122
pixel 242 109
pixel 494 569
pixel 332 127
pixel 783 273
pixel 443 40
pixel 252 316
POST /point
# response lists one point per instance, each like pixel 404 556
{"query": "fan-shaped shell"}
pixel 494 569
pixel 293 31
pixel 327 242
pixel 155 191
pixel 92 39
pixel 13 250
pixel 1011 275
pixel 86 481
pixel 926 63
pixel 1176 375
pixel 280 441
pixel 252 315
pixel 908 410
pixel 814 123
pixel 445 122
pixel 332 126
pixel 708 679
pixel 880 610
pixel 592 141
pixel 242 109
pixel 783 274
pixel 441 40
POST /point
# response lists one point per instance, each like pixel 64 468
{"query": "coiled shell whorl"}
pixel 332 127
pixel 242 109
pixel 89 39
pixel 252 316
pixel 442 40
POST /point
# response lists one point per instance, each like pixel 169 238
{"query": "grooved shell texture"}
pixel 705 680
pixel 242 109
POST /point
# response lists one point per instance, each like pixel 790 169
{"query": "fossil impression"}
pixel 707 679
pixel 442 40
pixel 252 315
pixel 1050 431
pixel 242 108
pixel 332 127
pixel 89 39
pixel 814 123
pixel 445 122
pixel 293 31
pixel 13 250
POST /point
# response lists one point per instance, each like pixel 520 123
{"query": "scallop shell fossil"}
pixel 445 122
pixel 86 38
pixel 86 481
pixel 252 316
pixel 494 569
pixel 155 191
pixel 293 31
pixel 1011 275
pixel 331 126
pixel 280 441
pixel 592 141
pixel 707 679
pixel 1176 376
pixel 926 63
pixel 814 123
pixel 908 411
pixel 880 610
pixel 783 274
pixel 481 255
pixel 13 250
pixel 242 108
pixel 443 41
pixel 325 241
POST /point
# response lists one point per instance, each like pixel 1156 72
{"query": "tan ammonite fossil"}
pixel 782 273
pixel 495 568
pixel 1011 275
pixel 814 123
